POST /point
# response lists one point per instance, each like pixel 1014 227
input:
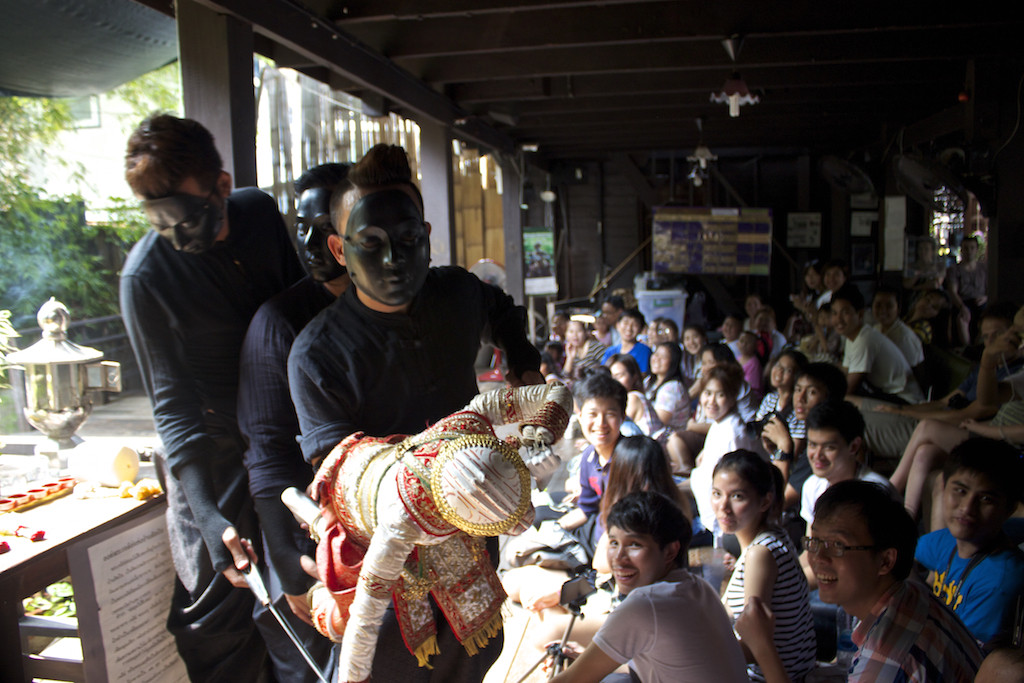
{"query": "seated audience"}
pixel 582 350
pixel 932 440
pixel 804 302
pixel 929 318
pixel 874 365
pixel 890 427
pixel 974 569
pixel 834 276
pixel 886 308
pixel 684 445
pixel 770 341
pixel 861 549
pixel 550 367
pixel 819 382
pixel 825 345
pixel 751 363
pixel 835 449
pixel 746 496
pixel 638 464
pixel 695 338
pixel 641 416
pixel 604 330
pixel 661 330
pixel 927 272
pixel 776 410
pixel 731 328
pixel 727 433
pixel 559 321
pixel 664 386
pixel 671 625
pixel 612 309
pixel 631 322
pixel 751 305
pixel 967 287
pixel 602 406
pixel 782 376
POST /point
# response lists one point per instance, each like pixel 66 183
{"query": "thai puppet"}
pixel 402 517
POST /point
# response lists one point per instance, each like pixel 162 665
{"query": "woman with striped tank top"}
pixel 746 495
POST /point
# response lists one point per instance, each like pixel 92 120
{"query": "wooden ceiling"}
pixel 588 78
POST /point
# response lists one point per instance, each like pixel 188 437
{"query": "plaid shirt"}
pixel 913 637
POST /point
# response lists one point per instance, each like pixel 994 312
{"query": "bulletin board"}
pixel 712 241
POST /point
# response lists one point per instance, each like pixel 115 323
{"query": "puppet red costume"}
pixel 405 516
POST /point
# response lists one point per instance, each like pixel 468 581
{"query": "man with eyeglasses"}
pixel 188 291
pixel 861 549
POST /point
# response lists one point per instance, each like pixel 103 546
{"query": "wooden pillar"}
pixel 438 197
pixel 1005 250
pixel 216 56
pixel 512 213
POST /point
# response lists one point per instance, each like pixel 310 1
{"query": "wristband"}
pixel 781 456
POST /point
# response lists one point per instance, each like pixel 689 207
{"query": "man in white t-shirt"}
pixel 874 365
pixel 886 308
pixel 835 450
pixel 671 627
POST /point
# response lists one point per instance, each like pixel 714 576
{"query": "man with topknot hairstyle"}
pixel 396 353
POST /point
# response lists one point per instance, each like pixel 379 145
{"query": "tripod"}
pixel 557 650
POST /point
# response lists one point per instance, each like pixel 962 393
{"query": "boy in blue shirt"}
pixel 974 569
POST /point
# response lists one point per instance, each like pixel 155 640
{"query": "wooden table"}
pixel 70 523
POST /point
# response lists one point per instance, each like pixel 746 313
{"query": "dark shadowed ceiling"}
pixel 586 77
pixel 589 78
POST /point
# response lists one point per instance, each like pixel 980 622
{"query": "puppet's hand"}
pixel 536 451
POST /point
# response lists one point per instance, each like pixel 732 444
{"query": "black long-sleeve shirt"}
pixel 186 316
pixel 354 369
pixel 267 419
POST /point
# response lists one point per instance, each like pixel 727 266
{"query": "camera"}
pixel 756 427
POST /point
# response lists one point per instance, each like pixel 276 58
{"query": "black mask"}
pixel 387 247
pixel 312 228
pixel 191 223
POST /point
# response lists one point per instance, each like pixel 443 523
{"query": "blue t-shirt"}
pixel 986 600
pixel 640 351
pixel 593 479
pixel 969 387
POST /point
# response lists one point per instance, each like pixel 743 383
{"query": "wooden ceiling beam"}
pixel 811 77
pixel 306 34
pixel 363 11
pixel 888 52
pixel 568 27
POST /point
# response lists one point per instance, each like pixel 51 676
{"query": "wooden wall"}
pixel 479 226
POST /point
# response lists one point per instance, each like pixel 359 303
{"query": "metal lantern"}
pixel 58 376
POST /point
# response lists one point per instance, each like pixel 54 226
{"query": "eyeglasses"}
pixel 831 548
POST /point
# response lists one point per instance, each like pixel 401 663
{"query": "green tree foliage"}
pixel 50 250
pixel 26 124
pixel 46 246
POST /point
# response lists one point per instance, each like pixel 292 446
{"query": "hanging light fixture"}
pixel 734 91
pixel 697 175
pixel 700 158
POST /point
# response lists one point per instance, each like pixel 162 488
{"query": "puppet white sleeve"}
pixel 393 540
